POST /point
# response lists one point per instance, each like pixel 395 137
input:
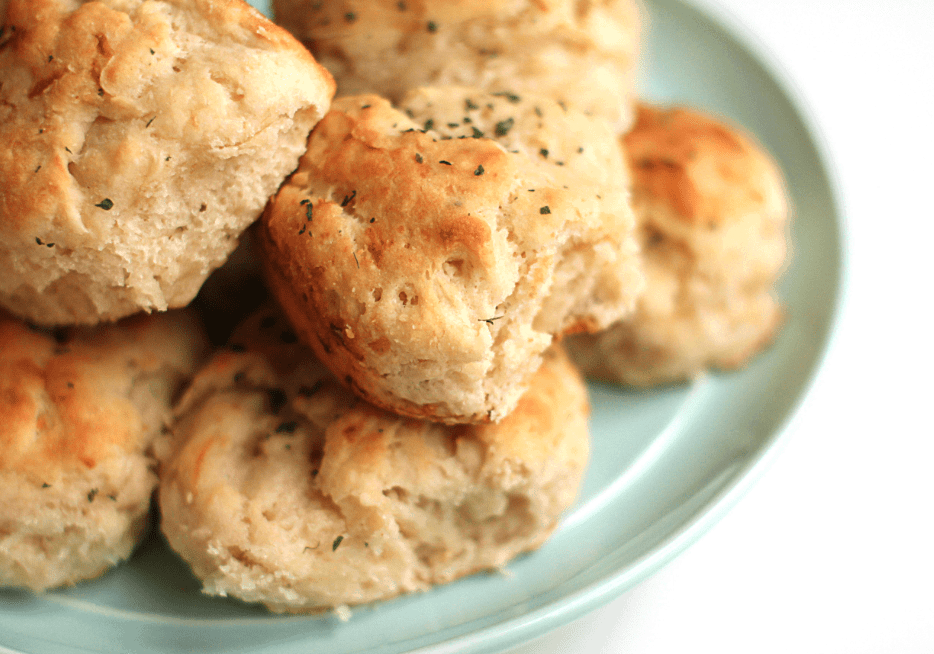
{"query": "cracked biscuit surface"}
pixel 580 52
pixel 712 218
pixel 430 254
pixel 140 138
pixel 78 413
pixel 279 486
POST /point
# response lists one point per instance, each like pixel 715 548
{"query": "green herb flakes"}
pixel 512 97
pixel 503 126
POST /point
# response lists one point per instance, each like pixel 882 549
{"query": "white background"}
pixel 833 550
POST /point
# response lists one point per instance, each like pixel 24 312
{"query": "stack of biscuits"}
pixel 381 389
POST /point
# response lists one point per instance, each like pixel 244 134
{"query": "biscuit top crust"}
pixel 278 485
pixel 708 173
pixel 409 18
pixel 68 66
pixel 140 138
pixel 70 400
pixel 264 357
pixel 581 52
pixel 432 238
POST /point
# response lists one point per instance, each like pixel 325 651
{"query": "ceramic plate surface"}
pixel 666 464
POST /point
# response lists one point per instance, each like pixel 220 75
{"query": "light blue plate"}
pixel 666 464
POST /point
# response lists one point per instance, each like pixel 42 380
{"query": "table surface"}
pixel 831 551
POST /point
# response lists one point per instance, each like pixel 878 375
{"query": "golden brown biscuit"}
pixel 279 486
pixel 580 53
pixel 140 138
pixel 78 414
pixel 713 220
pixel 430 255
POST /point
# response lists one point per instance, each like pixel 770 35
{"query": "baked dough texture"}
pixel 713 223
pixel 430 254
pixel 580 52
pixel 140 138
pixel 78 413
pixel 279 486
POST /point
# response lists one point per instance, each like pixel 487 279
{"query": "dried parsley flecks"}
pixel 45 485
pixel 470 104
pixel 401 5
pixel 446 163
pixel 348 198
pixel 479 171
pixel 489 321
pixel 336 543
pixel 92 494
pixel 429 124
pixel 512 97
pixel 419 158
pixel 544 152
pixel 477 134
pixel 308 391
pixel 277 399
pixel 287 427
pixel 432 26
pixel 106 204
pixel 350 17
pixel 545 210
pixel 503 126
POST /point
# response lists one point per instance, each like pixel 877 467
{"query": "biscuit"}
pixel 430 254
pixel 140 138
pixel 78 413
pixel 712 220
pixel 279 486
pixel 580 53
